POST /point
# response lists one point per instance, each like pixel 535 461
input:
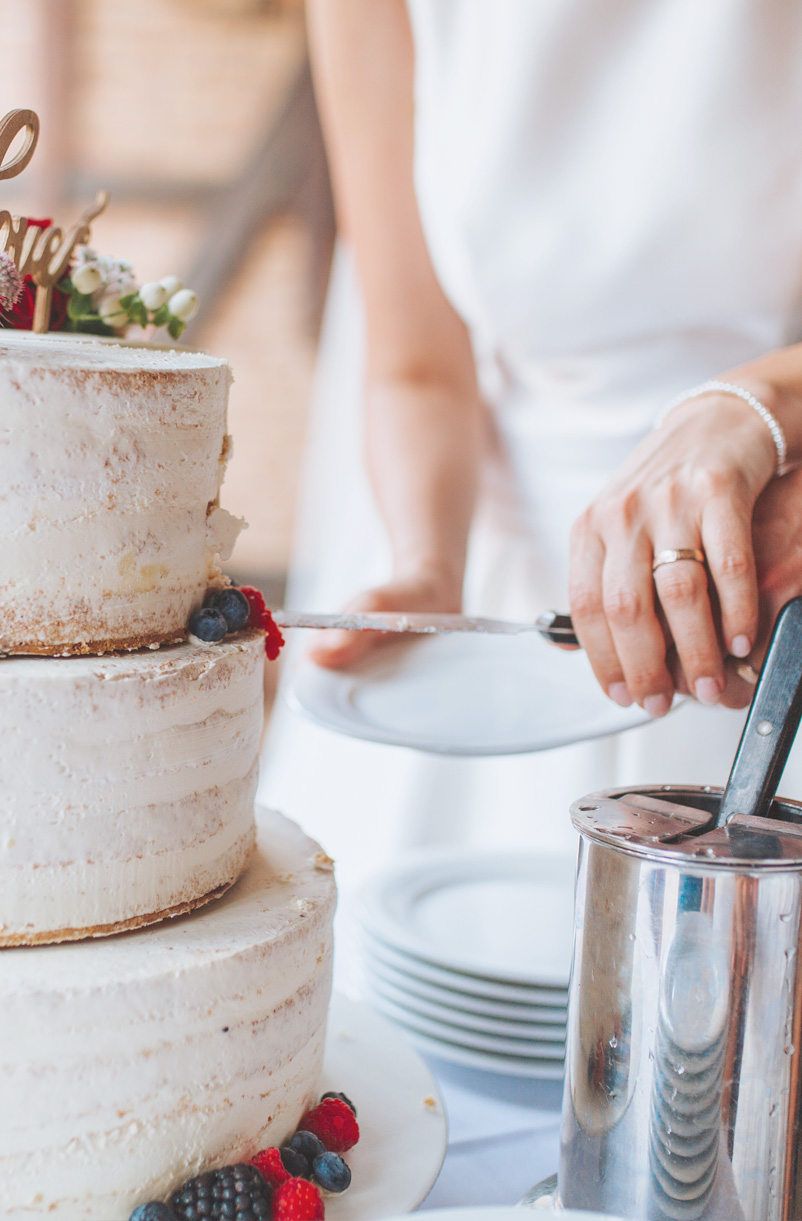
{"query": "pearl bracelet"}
pixel 714 387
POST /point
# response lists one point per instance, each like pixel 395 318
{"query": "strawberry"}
pixel 333 1122
pixel 269 1164
pixel 298 1200
pixel 260 617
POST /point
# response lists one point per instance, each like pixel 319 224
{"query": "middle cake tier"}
pixel 126 785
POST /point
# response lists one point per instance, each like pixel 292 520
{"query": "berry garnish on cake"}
pixel 269 1164
pixel 334 1123
pixel 154 1211
pixel 331 1172
pixel 234 1191
pixel 229 610
pixel 298 1200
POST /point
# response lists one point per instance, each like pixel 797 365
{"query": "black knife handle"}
pixel 771 724
pixel 557 627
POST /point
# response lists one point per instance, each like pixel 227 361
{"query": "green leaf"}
pixel 162 316
pixel 127 301
pixel 138 313
pixel 91 326
pixel 175 327
pixel 79 305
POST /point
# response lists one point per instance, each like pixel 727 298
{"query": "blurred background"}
pixel 198 116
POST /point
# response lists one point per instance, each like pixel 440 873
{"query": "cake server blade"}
pixel 553 626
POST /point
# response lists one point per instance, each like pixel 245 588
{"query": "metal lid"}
pixel 667 823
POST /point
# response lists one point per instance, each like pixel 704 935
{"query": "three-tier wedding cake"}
pixel 130 1060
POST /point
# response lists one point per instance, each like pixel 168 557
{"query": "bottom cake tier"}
pixel 129 1064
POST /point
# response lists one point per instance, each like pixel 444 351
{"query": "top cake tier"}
pixel 112 458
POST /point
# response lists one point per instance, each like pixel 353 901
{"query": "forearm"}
pixel 423 440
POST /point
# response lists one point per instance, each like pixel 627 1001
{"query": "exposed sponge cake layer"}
pixel 126 784
pixel 112 457
pixel 130 1064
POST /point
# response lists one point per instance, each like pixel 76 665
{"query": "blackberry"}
pixel 331 1172
pixel 235 1193
pixel 208 624
pixel 152 1212
pixel 233 606
pixel 307 1144
pixel 343 1098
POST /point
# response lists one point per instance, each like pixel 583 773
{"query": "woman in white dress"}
pixel 563 214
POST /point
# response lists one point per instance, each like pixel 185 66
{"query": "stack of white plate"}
pixel 470 953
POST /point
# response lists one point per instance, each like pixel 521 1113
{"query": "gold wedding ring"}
pixel 671 556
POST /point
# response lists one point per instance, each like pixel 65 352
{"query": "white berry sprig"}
pixel 103 298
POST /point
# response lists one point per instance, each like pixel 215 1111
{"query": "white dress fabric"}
pixel 611 193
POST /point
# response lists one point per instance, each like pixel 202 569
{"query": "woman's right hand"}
pixel 431 592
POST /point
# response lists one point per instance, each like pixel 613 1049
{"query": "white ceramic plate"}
pixel 510 1214
pixel 456 1019
pixel 459 982
pixel 451 998
pixel 464 694
pixel 529 1049
pixel 469 1057
pixel 403 1129
pixel 507 917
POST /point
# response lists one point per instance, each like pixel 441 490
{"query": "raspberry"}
pixel 298 1200
pixel 333 1122
pixel 260 617
pixel 269 1164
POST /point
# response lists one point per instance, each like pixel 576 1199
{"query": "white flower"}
pixel 87 278
pixel 153 295
pixel 183 304
pixel 171 284
pixel 111 311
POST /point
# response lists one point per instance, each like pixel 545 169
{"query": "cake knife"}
pixel 552 625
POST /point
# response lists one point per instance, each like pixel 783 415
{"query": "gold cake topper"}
pixel 39 252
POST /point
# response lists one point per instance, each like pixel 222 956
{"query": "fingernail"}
pixel 741 646
pixel 620 693
pixel 707 690
pixel 657 705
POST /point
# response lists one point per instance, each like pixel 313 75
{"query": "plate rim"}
pixel 474 1004
pixel 478 987
pixel 424 871
pixel 393 1040
pixel 558 1027
pixel 507 1066
pixel 326 698
pixel 399 1013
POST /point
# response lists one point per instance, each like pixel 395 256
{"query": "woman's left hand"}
pixel 693 483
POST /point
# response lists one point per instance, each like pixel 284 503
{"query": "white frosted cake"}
pixel 128 1064
pixel 112 460
pixel 131 1060
pixel 126 785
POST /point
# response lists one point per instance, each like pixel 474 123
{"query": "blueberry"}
pixel 331 1172
pixel 233 606
pixel 343 1098
pixel 153 1212
pixel 294 1162
pixel 307 1144
pixel 208 624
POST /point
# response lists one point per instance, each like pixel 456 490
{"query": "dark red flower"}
pixel 20 316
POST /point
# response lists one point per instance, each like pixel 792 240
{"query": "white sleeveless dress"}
pixel 611 192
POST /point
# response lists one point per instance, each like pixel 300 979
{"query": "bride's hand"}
pixel 692 483
pixel 420 592
pixel 777 539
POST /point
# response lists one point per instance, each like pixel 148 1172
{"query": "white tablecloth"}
pixel 504 1136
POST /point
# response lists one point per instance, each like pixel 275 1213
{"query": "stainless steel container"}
pixel 683 1093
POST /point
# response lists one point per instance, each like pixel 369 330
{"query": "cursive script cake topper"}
pixel 44 254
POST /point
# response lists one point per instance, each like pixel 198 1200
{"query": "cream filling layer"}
pixel 127 782
pixel 129 1064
